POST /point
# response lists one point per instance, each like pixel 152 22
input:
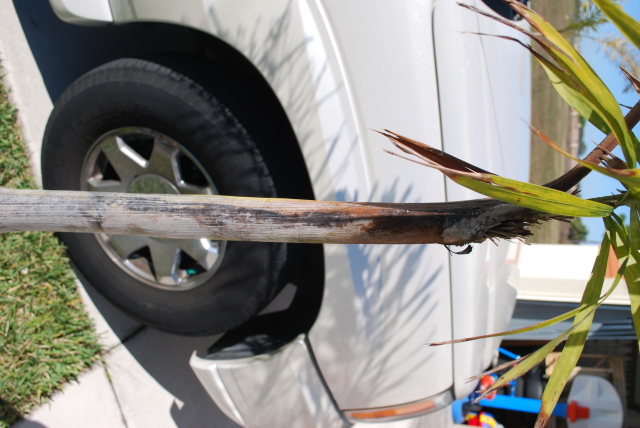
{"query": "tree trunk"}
pixel 256 219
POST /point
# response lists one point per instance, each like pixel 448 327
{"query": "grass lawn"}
pixel 46 339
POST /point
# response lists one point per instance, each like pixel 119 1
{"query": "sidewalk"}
pixel 145 380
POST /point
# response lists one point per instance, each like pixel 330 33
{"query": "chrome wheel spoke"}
pixel 125 245
pixel 192 189
pixel 98 185
pixel 165 257
pixel 163 161
pixel 203 251
pixel 126 162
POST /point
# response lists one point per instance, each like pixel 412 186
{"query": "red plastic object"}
pixel 575 411
pixel 485 383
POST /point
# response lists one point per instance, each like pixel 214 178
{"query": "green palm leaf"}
pixel 625 247
pixel 592 89
pixel 531 196
pixel 577 338
pixel 514 192
pixel 626 24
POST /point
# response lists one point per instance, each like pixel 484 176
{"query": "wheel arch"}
pixel 64 52
pixel 285 43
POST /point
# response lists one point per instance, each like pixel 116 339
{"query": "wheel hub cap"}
pixel 140 160
pixel 151 183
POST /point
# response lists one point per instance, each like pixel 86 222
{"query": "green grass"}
pixel 46 339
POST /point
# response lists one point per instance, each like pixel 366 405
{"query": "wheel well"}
pixel 64 52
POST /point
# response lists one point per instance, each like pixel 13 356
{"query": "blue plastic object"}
pixel 521 404
pixel 508 354
pixel 458 411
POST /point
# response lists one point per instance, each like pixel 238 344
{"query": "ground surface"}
pixel 46 338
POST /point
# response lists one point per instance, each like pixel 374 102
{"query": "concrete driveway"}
pixel 145 380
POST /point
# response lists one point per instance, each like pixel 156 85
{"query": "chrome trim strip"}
pixel 278 388
pixel 439 401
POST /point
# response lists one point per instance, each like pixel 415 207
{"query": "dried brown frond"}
pixel 633 80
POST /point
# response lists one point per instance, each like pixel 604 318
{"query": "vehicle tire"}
pixel 175 125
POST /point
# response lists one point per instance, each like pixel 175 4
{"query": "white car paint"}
pixel 83 12
pixel 485 112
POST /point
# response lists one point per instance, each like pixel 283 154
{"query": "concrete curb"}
pixel 23 79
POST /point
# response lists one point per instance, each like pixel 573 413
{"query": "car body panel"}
pixel 483 84
pixel 92 12
pixel 242 387
pixel 311 77
pixel 394 294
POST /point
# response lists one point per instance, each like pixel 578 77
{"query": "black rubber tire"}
pixel 210 113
